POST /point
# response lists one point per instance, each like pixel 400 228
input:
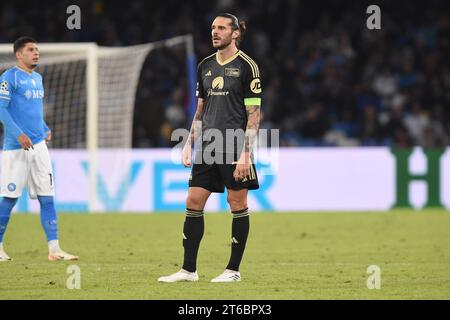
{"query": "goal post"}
pixel 90 93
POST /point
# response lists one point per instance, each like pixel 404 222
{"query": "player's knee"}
pixel 195 202
pixel 236 203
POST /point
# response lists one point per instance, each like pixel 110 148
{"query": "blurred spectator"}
pixel 371 128
pixel 315 124
pixel 417 122
pixel 327 79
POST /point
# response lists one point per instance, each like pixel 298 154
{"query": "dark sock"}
pixel 239 234
pixel 193 229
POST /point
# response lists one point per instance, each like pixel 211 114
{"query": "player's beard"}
pixel 225 44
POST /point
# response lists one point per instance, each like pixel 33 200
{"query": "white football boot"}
pixel 228 276
pixel 181 275
pixel 3 255
pixel 61 255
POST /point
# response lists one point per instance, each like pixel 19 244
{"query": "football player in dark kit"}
pixel 229 101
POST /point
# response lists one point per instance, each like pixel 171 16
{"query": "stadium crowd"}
pixel 327 79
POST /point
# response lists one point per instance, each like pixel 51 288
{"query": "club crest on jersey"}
pixel 232 72
pixel 12 187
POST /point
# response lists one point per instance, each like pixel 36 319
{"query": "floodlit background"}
pixel 361 180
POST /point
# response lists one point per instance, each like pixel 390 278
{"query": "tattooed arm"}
pixel 243 166
pixel 254 116
pixel 196 129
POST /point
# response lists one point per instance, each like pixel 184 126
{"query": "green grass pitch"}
pixel 288 256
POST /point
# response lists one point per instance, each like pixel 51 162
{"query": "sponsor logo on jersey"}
pixel 217 84
pixel 35 94
pixel 217 93
pixel 255 86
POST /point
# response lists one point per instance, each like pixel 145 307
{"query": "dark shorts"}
pixel 215 177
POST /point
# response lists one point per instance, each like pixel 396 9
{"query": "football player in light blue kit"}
pixel 25 157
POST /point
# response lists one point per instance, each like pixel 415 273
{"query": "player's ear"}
pixel 235 34
pixel 18 53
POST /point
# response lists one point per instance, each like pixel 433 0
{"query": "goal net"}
pixel 90 93
pixel 82 77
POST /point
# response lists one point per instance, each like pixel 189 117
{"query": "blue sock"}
pixel 49 220
pixel 6 206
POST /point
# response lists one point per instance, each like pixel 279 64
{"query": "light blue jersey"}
pixel 21 107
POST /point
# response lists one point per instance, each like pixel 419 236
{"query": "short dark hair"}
pixel 235 25
pixel 21 42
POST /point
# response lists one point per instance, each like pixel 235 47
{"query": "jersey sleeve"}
pixel 6 88
pixel 199 91
pixel 8 122
pixel 252 85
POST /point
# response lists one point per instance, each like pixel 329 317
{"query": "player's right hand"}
pixel 186 155
pixel 49 137
pixel 25 141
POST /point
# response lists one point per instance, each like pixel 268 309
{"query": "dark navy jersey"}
pixel 227 89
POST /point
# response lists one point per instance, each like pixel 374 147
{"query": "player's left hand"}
pixel 49 137
pixel 242 167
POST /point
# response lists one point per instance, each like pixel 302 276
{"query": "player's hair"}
pixel 235 25
pixel 21 42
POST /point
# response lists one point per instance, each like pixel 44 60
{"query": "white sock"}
pixel 53 245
